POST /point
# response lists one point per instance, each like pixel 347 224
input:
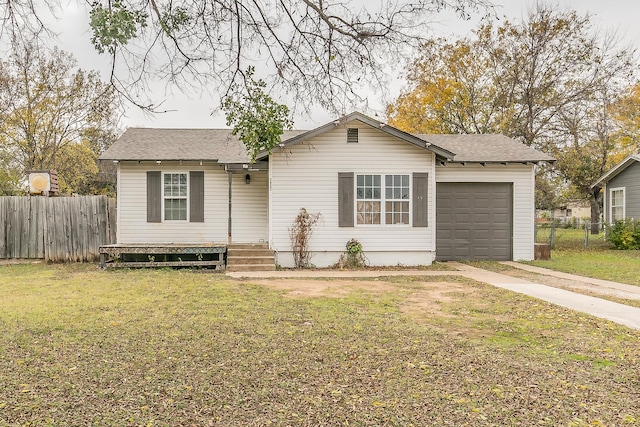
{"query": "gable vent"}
pixel 352 135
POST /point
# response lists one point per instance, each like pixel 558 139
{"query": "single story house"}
pixel 409 199
pixel 621 188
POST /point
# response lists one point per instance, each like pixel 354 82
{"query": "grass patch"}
pixel 599 260
pixel 619 266
pixel 163 347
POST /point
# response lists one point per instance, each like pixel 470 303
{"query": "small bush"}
pixel 625 234
pixel 353 257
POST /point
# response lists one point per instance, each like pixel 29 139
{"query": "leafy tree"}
pixel 626 113
pixel 452 90
pixel 10 175
pixel 324 51
pixel 549 81
pixel 257 119
pixel 54 116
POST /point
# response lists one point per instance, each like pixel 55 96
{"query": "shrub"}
pixel 625 234
pixel 300 233
pixel 353 257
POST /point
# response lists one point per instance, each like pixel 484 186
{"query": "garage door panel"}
pixel 482 218
pixel 462 218
pixel 461 203
pixel 481 235
pixel 463 234
pixel 479 217
pixel 500 235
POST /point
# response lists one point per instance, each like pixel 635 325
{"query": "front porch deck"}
pixel 163 255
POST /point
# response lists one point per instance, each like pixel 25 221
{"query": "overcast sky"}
pixel 195 111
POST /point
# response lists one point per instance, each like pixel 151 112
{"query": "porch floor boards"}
pixel 234 257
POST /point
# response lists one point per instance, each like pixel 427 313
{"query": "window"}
pixel 396 199
pixel 175 196
pixel 369 199
pixel 617 204
pixel 378 200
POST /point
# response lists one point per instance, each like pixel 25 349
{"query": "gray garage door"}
pixel 473 221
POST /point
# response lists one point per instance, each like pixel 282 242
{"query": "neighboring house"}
pixel 572 211
pixel 621 189
pixel 409 199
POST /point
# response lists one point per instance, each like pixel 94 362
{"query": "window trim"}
pixel 624 202
pixel 187 198
pixel 383 200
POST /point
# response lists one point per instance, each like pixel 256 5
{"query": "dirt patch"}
pixel 423 298
pixel 430 300
pixel 304 288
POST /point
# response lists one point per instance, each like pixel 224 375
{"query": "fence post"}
pixel 587 227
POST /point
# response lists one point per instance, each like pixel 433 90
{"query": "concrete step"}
pixel 251 267
pixel 250 257
pixel 241 252
pixel 258 260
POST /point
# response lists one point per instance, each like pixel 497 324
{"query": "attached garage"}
pixel 474 221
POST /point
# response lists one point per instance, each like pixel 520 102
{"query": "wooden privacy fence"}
pixel 56 229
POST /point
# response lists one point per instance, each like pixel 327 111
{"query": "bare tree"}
pixel 329 52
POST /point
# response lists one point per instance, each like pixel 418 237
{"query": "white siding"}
pixel 250 208
pixel 306 175
pixel 522 177
pixel 132 206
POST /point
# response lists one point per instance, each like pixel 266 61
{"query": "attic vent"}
pixel 352 135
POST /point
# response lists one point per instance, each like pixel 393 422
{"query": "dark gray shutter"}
pixel 196 196
pixel 154 196
pixel 345 199
pixel 420 193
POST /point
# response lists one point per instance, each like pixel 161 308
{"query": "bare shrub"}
pixel 300 233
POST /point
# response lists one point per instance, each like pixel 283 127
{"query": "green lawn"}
pixel 167 348
pixel 599 260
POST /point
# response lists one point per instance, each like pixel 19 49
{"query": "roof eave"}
pixel 613 172
pixel 119 159
pixel 501 162
pixel 440 153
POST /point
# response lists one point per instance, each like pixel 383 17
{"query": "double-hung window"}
pixel 382 199
pixel 396 199
pixel 369 195
pixel 175 193
pixel 617 204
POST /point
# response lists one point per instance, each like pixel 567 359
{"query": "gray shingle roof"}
pixel 180 144
pixel 486 148
pixel 219 145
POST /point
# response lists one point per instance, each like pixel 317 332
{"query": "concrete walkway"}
pixel 606 287
pixel 598 307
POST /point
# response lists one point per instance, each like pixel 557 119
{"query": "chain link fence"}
pixel 577 234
